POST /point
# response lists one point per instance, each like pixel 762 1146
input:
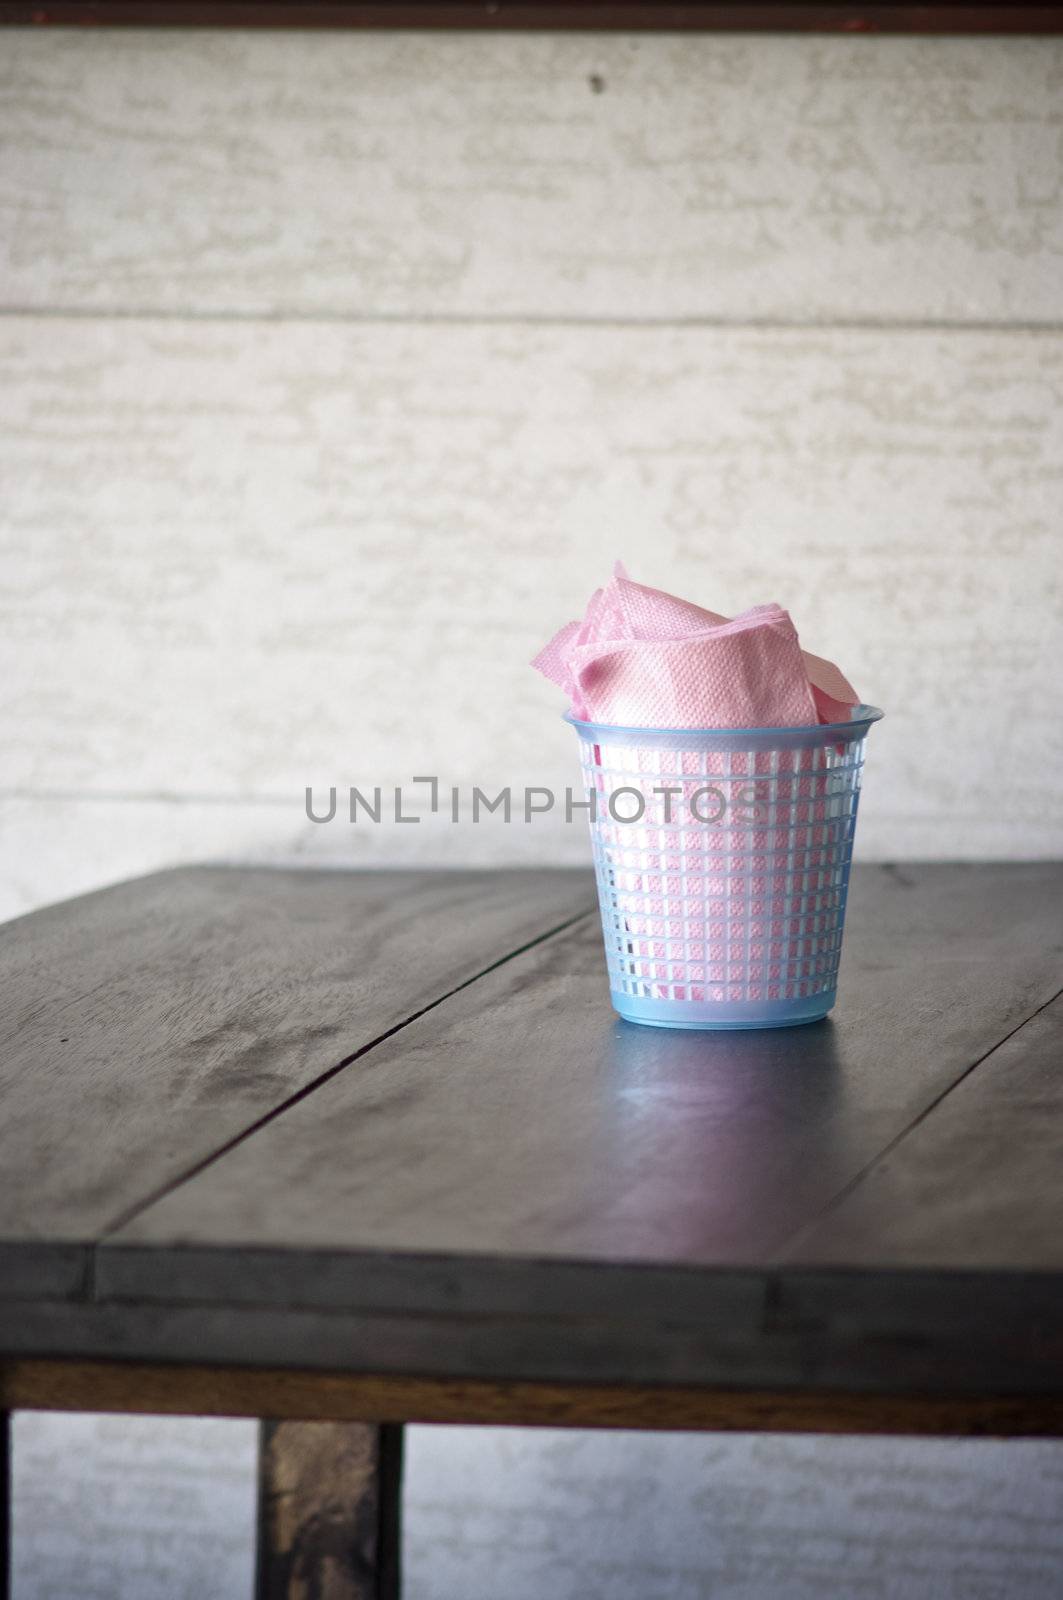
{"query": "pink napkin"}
pixel 644 658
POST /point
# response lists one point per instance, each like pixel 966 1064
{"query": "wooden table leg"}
pixel 328 1511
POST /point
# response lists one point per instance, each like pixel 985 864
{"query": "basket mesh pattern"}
pixel 730 886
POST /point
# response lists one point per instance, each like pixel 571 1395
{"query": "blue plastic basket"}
pixel 722 858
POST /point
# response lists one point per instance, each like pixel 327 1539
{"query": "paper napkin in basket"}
pixel 643 658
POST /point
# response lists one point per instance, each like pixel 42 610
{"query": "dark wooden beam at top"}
pixel 782 16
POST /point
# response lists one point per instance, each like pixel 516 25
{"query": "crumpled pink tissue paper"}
pixel 641 658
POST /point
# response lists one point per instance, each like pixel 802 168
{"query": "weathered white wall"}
pixel 154 1508
pixel 432 175
pixel 132 1508
pixel 591 1516
pixel 334 372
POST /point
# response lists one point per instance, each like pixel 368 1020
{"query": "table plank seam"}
pixel 139 1206
pixel 838 1199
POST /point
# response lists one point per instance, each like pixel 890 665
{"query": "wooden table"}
pixel 372 1148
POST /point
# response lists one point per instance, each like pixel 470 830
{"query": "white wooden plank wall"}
pixel 334 372
pixel 154 1508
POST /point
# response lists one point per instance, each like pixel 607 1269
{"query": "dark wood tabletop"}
pixel 382 1129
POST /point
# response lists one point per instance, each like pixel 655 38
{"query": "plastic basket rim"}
pixel 866 715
